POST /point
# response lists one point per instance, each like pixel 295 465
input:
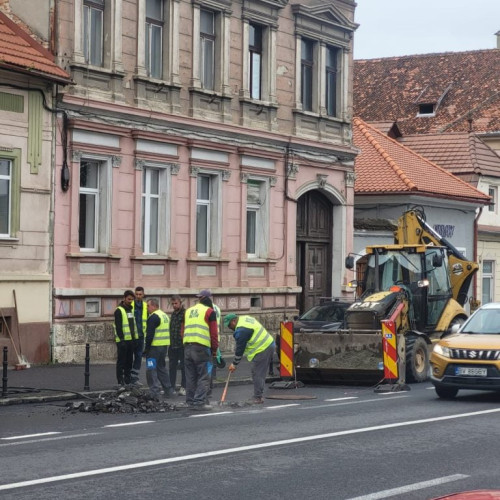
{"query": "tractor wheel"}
pixel 446 392
pixel 417 359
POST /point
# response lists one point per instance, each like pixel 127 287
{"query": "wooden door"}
pixel 314 230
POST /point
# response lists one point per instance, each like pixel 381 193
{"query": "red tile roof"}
pixel 385 166
pixel 460 84
pixel 462 154
pixel 19 52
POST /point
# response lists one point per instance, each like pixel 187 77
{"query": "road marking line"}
pixel 347 403
pixel 58 438
pixel 211 414
pixel 277 407
pixel 130 423
pixel 26 436
pixel 390 393
pixel 227 451
pixel 411 487
pixel 342 399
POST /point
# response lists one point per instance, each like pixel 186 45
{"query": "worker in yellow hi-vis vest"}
pixel 155 350
pixel 253 341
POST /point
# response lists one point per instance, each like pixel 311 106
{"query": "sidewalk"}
pixel 45 383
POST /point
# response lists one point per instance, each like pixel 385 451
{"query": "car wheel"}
pixel 417 359
pixel 446 392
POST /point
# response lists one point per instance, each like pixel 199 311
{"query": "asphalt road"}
pixel 347 443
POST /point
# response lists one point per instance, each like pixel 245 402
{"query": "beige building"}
pixel 28 77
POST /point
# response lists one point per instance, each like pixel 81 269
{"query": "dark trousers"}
pixel 260 364
pixel 125 354
pixel 156 372
pixel 176 359
pixel 198 366
pixel 136 364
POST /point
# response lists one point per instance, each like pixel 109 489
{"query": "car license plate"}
pixel 474 372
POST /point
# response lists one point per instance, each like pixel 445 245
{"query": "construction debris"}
pixel 122 401
pixel 134 400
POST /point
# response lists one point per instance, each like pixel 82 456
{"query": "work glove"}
pixel 145 353
pixel 232 368
pixel 220 361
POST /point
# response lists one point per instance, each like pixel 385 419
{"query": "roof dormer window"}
pixel 426 109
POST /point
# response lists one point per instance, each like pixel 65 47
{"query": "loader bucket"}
pixel 341 356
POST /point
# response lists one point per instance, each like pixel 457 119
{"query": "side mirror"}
pixel 454 328
pixel 349 262
pixel 437 260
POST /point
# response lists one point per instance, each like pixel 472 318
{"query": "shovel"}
pixel 22 363
pixel 224 392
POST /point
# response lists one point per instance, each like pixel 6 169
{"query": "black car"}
pixel 328 316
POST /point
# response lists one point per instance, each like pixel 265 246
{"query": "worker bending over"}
pixel 253 341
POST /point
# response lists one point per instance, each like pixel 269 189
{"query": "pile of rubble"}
pixel 122 401
pixel 135 400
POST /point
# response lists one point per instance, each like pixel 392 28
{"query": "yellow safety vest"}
pixel 260 339
pixel 144 317
pixel 162 332
pixel 125 326
pixel 195 327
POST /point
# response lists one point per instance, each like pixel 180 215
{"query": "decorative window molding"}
pixel 211 98
pixel 323 47
pixel 10 192
pixel 257 216
pixel 93 75
pixel 155 206
pixel 208 230
pixel 94 203
pixel 160 84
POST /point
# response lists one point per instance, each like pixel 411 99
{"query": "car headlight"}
pixel 442 350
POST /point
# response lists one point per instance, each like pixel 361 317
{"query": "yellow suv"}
pixel 470 357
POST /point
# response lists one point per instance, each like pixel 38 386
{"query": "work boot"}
pixel 256 401
pixel 183 404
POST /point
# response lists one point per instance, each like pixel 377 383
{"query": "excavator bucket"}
pixel 344 355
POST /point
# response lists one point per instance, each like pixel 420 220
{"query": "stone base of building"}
pixel 70 339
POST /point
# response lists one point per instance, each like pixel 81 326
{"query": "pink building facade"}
pixel 209 146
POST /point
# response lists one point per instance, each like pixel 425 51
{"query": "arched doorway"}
pixel 314 248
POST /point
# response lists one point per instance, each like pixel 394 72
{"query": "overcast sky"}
pixel 402 27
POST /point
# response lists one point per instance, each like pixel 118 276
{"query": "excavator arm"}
pixel 413 230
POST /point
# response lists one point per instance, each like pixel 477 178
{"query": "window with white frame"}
pixel 331 87
pixel 493 192
pixel 207 49
pixel 5 196
pixel 255 61
pixel 150 210
pixel 257 218
pixel 93 22
pixel 307 73
pixel 94 205
pixel 488 284
pixel 208 214
pixel 154 38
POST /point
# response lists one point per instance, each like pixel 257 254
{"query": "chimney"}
pixel 498 39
